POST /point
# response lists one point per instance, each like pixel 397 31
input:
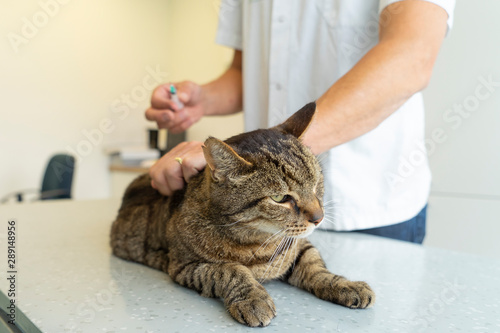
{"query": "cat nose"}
pixel 316 217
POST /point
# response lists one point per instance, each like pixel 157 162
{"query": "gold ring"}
pixel 178 159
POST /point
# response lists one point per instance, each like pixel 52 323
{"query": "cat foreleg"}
pixel 244 297
pixel 309 272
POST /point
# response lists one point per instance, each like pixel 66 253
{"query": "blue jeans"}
pixel 412 230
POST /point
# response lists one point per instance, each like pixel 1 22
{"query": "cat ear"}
pixel 299 121
pixel 223 161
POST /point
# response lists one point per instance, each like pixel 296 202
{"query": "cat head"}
pixel 267 179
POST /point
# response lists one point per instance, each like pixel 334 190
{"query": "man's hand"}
pixel 167 114
pixel 176 167
pixel 219 97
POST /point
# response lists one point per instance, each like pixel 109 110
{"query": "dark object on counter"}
pixel 172 140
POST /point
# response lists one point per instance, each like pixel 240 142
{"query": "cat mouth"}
pixel 301 231
pixel 294 230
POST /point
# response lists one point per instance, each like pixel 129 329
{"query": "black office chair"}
pixel 57 180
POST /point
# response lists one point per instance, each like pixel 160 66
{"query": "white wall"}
pixel 464 208
pixel 64 79
pixel 80 79
pixel 196 57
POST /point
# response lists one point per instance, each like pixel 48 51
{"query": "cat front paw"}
pixel 354 294
pixel 257 310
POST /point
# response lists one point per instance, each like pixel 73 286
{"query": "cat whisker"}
pixel 294 252
pixel 321 157
pixel 328 172
pixel 242 226
pixel 227 225
pixel 329 218
pixel 266 243
pixel 332 208
pixel 273 257
pixel 332 201
pixel 271 264
pixel 248 224
pixel 333 211
pixel 333 204
pixel 289 244
pixel 329 221
pixel 278 249
pixel 283 247
pixel 325 226
pixel 332 217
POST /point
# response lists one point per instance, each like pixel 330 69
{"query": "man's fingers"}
pixel 173 170
pixel 185 90
pixel 166 179
pixel 160 98
pixel 184 97
pixel 175 118
pixel 159 115
pixel 167 114
pixel 192 164
pixel 163 189
pixel 174 184
pixel 181 126
pixel 167 118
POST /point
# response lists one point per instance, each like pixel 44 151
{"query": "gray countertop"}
pixel 68 281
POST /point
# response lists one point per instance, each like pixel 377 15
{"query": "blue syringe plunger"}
pixel 175 98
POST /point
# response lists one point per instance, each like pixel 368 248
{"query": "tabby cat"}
pixel 240 222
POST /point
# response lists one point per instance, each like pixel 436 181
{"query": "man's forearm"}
pixel 359 101
pixel 225 94
pixel 383 80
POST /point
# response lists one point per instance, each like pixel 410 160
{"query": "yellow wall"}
pixel 196 57
pixel 77 75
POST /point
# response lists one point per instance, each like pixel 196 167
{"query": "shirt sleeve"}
pixel 447 5
pixel 230 28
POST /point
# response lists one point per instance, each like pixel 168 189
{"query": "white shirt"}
pixel 293 51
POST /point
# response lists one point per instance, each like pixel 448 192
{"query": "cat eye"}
pixel 280 198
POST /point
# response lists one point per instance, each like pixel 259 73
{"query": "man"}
pixel 364 62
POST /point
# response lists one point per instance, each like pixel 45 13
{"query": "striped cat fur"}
pixel 239 223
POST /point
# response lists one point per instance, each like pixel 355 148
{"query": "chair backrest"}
pixel 58 178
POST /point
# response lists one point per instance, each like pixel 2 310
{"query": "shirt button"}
pixel 281 19
pixel 278 86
